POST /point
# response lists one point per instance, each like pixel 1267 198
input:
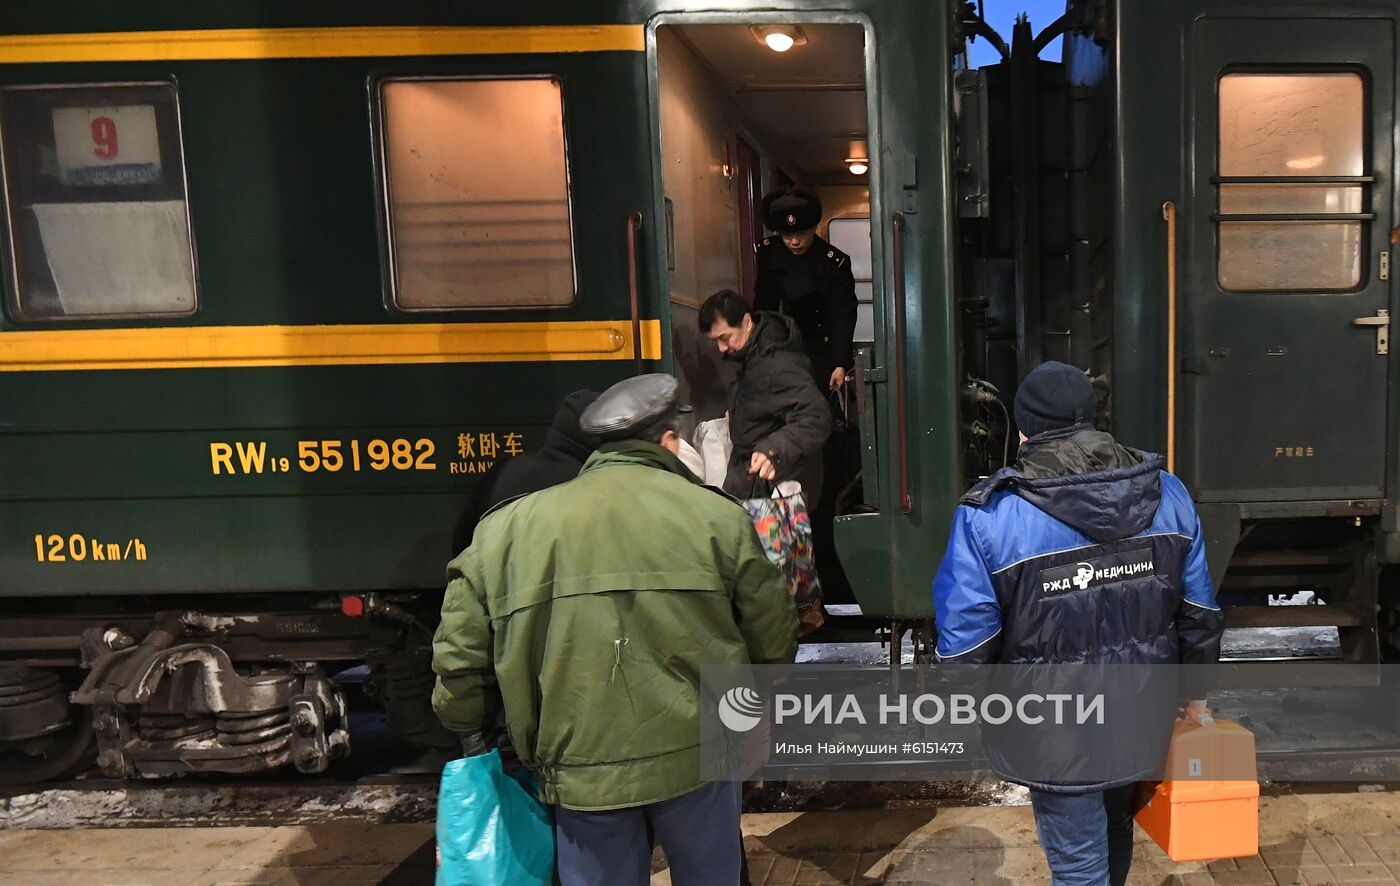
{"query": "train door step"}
pixel 1308 616
pixel 1289 559
pixel 1269 674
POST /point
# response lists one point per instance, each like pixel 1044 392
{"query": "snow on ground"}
pixel 1239 643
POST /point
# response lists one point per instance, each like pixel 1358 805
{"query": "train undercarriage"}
pixel 247 688
pixel 147 688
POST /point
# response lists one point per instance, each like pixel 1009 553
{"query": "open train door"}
pixel 1286 262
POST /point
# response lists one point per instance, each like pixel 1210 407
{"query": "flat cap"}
pixel 791 209
pixel 632 406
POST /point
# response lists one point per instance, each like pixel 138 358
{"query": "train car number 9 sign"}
pixel 107 146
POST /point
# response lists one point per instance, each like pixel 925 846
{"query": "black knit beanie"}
pixel 1054 396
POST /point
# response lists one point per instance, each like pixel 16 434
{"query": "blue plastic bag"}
pixel 492 830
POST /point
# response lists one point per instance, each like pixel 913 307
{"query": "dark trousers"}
pixel 1087 838
pixel 698 831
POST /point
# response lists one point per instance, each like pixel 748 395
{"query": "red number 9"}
pixel 104 137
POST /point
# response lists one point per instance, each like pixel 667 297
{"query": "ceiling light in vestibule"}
pixel 779 38
pixel 858 157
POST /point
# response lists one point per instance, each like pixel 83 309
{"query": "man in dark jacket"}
pixel 566 447
pixel 1083 552
pixel 778 419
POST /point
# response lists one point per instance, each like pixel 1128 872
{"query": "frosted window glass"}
pixel 1291 124
pixel 1290 255
pixel 865 323
pixel 478 194
pixel 1290 198
pixel 852 236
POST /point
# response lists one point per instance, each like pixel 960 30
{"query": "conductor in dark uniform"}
pixel 805 277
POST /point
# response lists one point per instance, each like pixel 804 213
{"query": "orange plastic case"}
pixel 1209 805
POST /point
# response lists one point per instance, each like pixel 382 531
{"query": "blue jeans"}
pixel 1087 838
pixel 698 831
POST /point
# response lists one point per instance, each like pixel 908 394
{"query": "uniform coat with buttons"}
pixel 817 290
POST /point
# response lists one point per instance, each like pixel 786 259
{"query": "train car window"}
pixel 852 236
pixel 1275 234
pixel 477 194
pixel 95 209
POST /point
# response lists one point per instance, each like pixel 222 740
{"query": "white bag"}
pixel 712 439
pixel 692 460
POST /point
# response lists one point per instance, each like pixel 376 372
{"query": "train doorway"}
pixel 1286 325
pixel 741 109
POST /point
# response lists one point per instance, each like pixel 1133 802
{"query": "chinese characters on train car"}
pixel 470 452
pixel 476 453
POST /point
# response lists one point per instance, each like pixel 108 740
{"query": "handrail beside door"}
pixel 906 500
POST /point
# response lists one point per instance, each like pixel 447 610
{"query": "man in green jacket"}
pixel 588 609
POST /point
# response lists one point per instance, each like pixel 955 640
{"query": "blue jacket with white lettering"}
pixel 1085 552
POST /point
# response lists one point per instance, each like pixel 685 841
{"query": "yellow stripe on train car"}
pixel 204 347
pixel 265 43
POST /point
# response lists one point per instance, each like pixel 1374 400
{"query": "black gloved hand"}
pixel 473 745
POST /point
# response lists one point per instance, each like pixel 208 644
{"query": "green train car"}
pixel 281 284
pixel 1205 217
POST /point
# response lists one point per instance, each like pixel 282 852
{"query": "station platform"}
pixel 1306 838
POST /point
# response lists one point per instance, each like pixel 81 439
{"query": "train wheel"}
pixel 42 736
pixel 63 753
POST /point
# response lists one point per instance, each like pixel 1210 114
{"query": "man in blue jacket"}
pixel 1084 552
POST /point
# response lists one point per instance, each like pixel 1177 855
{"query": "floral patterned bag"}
pixel 784 529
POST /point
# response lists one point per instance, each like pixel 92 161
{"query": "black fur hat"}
pixel 790 209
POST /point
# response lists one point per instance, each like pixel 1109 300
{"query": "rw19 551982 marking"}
pixel 329 456
pixel 475 453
